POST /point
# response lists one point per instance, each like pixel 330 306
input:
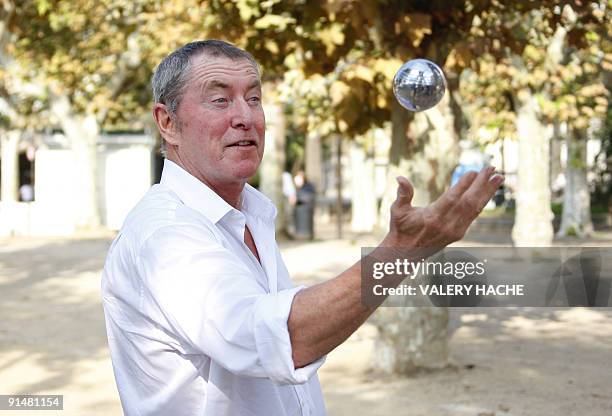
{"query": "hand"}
pixel 447 219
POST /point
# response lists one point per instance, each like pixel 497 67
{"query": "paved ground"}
pixel 528 361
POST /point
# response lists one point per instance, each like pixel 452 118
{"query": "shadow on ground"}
pixel 506 361
pixel 52 334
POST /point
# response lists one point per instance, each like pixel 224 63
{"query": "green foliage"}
pixel 336 58
pixel 556 208
pixel 566 82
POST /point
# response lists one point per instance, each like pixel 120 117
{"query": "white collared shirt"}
pixel 196 325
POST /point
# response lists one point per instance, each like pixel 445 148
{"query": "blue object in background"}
pixel 463 169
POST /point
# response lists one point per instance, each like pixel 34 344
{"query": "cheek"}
pixel 211 138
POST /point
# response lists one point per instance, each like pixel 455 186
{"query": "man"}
pixel 201 315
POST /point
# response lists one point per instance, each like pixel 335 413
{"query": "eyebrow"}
pixel 214 84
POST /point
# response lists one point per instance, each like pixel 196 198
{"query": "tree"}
pixel 20 108
pixel 337 58
pixel 580 99
pixel 83 54
pixel 352 55
pixel 523 94
pixel 94 60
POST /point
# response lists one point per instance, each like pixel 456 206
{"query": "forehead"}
pixel 206 68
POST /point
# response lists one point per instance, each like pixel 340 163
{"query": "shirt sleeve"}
pixel 199 291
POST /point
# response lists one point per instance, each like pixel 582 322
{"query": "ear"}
pixel 166 123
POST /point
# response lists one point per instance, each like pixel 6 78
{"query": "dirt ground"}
pixel 505 361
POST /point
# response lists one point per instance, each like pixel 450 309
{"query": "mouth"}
pixel 243 143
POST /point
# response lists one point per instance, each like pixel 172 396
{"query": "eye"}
pixel 219 102
pixel 254 99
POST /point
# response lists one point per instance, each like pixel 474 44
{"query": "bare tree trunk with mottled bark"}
pixel 533 219
pixel 576 217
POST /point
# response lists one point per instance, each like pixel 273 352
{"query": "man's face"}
pixel 221 122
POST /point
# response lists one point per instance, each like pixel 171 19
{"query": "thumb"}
pixel 405 191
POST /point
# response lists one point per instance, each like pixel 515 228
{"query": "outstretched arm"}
pixel 325 315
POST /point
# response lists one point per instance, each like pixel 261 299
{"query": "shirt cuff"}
pixel 273 342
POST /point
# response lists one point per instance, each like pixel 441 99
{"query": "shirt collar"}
pixel 197 195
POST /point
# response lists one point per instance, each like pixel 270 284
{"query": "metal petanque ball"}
pixel 419 85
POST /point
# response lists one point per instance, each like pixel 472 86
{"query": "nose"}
pixel 242 115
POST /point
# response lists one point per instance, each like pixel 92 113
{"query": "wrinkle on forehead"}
pixel 206 68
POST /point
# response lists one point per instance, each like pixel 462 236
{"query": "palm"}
pixel 447 219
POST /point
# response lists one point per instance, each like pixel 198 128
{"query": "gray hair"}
pixel 172 73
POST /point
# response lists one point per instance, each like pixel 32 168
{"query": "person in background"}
pixel 305 206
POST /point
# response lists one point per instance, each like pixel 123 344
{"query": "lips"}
pixel 243 143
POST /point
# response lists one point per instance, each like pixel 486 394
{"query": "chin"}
pixel 246 172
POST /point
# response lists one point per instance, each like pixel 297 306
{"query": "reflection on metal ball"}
pixel 419 85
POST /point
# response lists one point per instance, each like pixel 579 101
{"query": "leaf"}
pixel 331 37
pixel 360 71
pixel 416 26
pixel 338 91
pixel 272 46
pixel 274 21
pixel 43 6
pixel 388 67
pixel 247 9
pixel 459 57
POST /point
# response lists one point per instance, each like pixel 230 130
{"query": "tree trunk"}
pixel 363 192
pixel 313 161
pixel 273 163
pixel 533 220
pixel 426 153
pixel 576 217
pixel 410 338
pixel 10 165
pixel 398 153
pixel 339 183
pixel 556 167
pixel 84 144
pixel 82 133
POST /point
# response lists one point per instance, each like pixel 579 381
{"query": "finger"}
pixel 489 190
pixel 494 183
pixel 405 191
pixel 483 176
pixel 482 189
pixel 453 195
pixel 489 183
pixel 462 185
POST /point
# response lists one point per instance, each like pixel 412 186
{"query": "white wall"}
pixel 127 177
pixel 124 175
